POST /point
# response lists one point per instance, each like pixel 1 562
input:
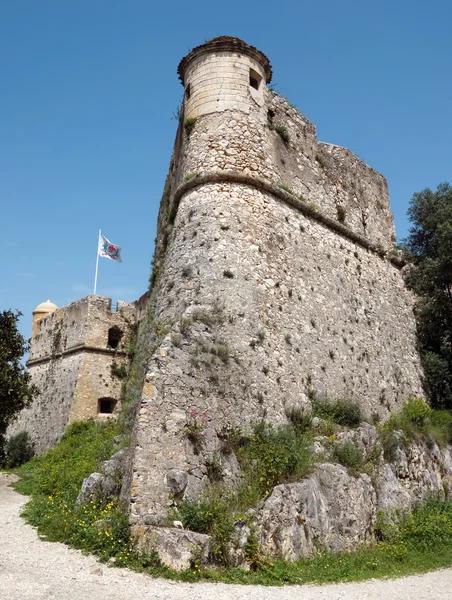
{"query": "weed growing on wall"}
pixel 189 125
pixel 118 370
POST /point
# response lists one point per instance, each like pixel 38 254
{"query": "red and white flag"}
pixel 109 250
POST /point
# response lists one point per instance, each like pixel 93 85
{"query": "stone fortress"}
pixel 74 352
pixel 274 277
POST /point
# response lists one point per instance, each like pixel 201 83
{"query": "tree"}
pixel 430 246
pixel 16 389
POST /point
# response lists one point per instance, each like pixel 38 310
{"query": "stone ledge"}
pixel 269 187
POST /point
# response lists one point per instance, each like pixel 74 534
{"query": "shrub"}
pixel 342 411
pixel 416 410
pixel 119 371
pixel 415 420
pixel 19 449
pixel 348 455
pixel 439 426
pixel 194 429
pixel 274 455
pixel 211 515
pixel 301 419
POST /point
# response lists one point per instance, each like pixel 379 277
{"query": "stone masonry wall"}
pixel 264 305
pixel 324 175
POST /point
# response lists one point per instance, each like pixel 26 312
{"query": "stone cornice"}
pixel 267 186
pixel 74 350
pixel 225 43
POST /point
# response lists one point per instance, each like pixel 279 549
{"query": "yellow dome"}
pixel 45 307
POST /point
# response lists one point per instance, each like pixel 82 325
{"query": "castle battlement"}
pixel 89 323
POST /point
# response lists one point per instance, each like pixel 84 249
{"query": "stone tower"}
pixel 72 351
pixel 273 279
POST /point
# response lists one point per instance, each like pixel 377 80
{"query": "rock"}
pixel 328 509
pixel 176 480
pixel 238 543
pixel 114 466
pixel 91 487
pixel 177 548
pixel 391 493
pixel 107 483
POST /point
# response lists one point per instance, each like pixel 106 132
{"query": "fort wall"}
pixel 275 278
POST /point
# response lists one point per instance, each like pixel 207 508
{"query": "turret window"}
pixel 255 79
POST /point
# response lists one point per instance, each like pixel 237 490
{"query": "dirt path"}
pixel 31 569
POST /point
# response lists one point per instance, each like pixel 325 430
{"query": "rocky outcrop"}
pixel 332 509
pixel 329 509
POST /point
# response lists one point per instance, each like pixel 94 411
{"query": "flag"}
pixel 109 250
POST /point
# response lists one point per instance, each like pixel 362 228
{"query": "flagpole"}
pixel 97 263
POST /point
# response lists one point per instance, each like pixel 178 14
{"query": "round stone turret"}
pixel 223 74
pixel 41 311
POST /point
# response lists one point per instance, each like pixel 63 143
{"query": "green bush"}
pixel 117 370
pixel 416 410
pixel 274 455
pixel 416 420
pixel 300 419
pixel 439 426
pixel 211 515
pixel 348 455
pixel 342 411
pixel 19 449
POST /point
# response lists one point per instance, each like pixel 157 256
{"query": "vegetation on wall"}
pixel 429 245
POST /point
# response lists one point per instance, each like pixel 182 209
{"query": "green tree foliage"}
pixel 16 390
pixel 430 246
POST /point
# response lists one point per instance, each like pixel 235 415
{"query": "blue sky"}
pixel 88 90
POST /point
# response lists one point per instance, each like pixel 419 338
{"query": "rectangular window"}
pixel 255 79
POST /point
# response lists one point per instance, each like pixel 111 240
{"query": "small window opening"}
pixel 106 406
pixel 114 337
pixel 255 79
pixel 188 92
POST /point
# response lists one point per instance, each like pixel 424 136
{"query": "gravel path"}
pixel 32 569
